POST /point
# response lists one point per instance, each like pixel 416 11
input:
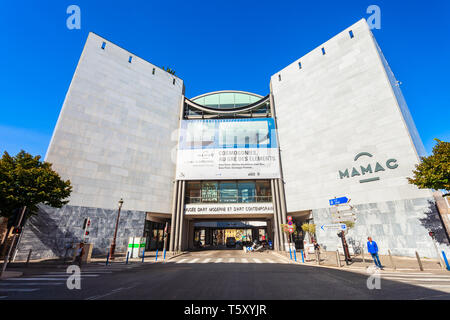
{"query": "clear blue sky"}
pixel 212 45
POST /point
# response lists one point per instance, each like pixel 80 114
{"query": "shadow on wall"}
pixel 51 232
pixel 433 223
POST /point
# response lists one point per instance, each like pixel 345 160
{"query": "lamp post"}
pixel 113 244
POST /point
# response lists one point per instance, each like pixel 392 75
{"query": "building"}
pixel 235 164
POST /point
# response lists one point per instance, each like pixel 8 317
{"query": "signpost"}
pixel 334 227
pixel 348 214
pixel 340 200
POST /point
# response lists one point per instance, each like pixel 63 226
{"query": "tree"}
pixel 169 70
pixel 310 229
pixel 25 181
pixel 434 171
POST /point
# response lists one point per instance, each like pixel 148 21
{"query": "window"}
pixel 103 45
pixel 228 192
pixel 351 34
pixel 247 191
pixel 299 65
pixel 153 72
pixel 323 51
pixel 193 192
pixel 209 192
pixel 173 81
pixel 279 77
pixel 129 59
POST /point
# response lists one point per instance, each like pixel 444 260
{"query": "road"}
pixel 222 274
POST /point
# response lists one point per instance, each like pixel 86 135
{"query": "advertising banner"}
pixel 229 208
pixel 228 149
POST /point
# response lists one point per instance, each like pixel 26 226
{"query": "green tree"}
pixel 169 70
pixel 310 229
pixel 434 171
pixel 27 181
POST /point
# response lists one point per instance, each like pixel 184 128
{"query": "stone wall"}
pixel 401 226
pixel 50 231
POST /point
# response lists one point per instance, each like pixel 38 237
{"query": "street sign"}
pixel 336 201
pixel 291 230
pixel 334 227
pixel 289 218
pixel 290 223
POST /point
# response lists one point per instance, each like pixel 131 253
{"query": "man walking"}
pixel 373 250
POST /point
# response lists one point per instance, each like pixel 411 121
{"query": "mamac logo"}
pixel 362 170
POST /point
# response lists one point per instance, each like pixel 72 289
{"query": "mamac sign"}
pixel 367 168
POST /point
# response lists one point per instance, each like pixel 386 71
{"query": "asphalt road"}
pixel 229 275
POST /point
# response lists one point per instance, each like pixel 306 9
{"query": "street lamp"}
pixel 113 244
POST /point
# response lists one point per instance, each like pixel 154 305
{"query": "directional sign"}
pixel 336 201
pixel 334 227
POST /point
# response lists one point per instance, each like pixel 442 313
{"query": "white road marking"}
pixel 3 297
pixel 68 274
pixel 107 294
pixel 35 279
pixel 415 279
pixel 32 284
pixel 18 290
pixel 206 260
pixel 194 260
pixel 181 261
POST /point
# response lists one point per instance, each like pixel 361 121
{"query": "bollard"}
pixel 446 261
pixel 107 258
pixel 290 252
pixel 295 255
pixel 28 259
pixel 164 254
pixel 303 259
pixel 143 254
pixel 128 255
pixel 363 259
pixel 338 260
pixel 156 257
pixel 420 262
pixel 392 260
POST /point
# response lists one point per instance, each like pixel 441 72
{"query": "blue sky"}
pixel 212 45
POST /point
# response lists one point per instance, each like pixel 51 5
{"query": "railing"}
pixel 237 199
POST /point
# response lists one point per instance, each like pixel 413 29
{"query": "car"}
pixel 231 242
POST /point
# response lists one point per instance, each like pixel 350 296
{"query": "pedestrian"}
pixel 80 252
pixel 317 250
pixel 373 250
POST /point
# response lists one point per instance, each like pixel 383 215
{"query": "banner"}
pixel 229 208
pixel 228 149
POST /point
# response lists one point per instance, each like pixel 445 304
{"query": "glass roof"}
pixel 226 99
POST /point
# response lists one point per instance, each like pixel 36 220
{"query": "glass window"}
pixel 228 192
pixel 193 192
pixel 247 191
pixel 263 191
pixel 209 191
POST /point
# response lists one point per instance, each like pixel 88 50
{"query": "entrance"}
pixel 213 235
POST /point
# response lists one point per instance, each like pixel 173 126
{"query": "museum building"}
pixel 231 163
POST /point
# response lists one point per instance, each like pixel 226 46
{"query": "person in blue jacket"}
pixel 373 249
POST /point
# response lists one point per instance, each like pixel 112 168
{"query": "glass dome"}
pixel 226 99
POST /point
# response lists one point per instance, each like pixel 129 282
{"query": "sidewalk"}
pixel 329 259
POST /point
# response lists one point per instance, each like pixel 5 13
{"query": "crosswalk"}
pixel 37 282
pixel 428 280
pixel 228 260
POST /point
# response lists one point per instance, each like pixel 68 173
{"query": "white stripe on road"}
pixel 18 290
pixel 193 260
pixel 82 272
pixel 416 279
pixel 3 297
pixel 69 274
pixel 218 260
pixel 35 279
pixel 32 284
pixel 206 260
pixel 181 261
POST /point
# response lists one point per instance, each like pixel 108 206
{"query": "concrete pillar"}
pixel 177 218
pixel 276 216
pixel 282 203
pixel 174 217
pixel 181 216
